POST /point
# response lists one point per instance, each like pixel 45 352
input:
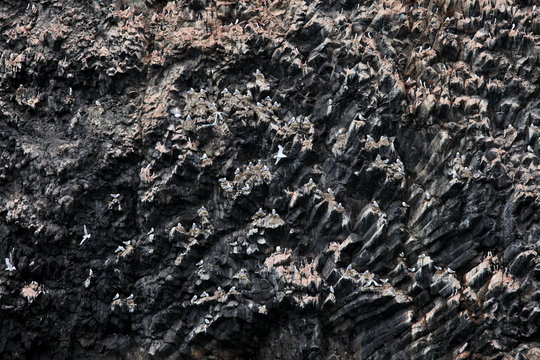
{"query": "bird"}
pixel 193 299
pixel 120 248
pixel 369 138
pixel 176 112
pixel 126 242
pixel 222 180
pixel 245 187
pixel 280 155
pixel 86 235
pixel 450 271
pixel 115 196
pixel 9 265
pixel 438 268
pixel 116 297
pixel 402 254
pixel 404 204
pixel 200 263
pixel 212 124
pixel 411 269
pixel 204 294
pixel 529 148
pixel 150 232
pixel 130 297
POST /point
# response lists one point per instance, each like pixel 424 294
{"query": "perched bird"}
pixel 450 271
pixel 116 297
pixel 200 263
pixel 120 248
pixel 86 235
pixel 115 196
pixel 404 204
pixel 130 297
pixel 280 155
pixel 9 265
pixel 176 112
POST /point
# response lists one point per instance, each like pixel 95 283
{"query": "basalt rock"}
pixel 269 180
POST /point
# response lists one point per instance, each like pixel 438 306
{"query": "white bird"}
pixel 529 148
pixel 236 92
pixel 404 204
pixel 411 269
pixel 176 112
pixel 120 248
pixel 274 212
pixel 200 263
pixel 245 187
pixel 450 271
pixel 225 91
pixel 193 299
pixel 9 265
pixel 280 155
pixel 86 235
pixel 248 93
pixel 204 294
pixel 116 297
pixel 126 242
pixel 384 281
pixel 115 196
pixel 150 232
pixel 237 171
pixel 222 180
pixel 438 268
pixel 402 254
pixel 369 138
pixel 212 124
pixel 130 297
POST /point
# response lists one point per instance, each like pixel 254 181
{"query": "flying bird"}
pixel 280 155
pixel 86 235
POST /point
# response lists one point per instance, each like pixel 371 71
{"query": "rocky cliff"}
pixel 255 179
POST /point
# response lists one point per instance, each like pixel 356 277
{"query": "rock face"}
pixel 269 179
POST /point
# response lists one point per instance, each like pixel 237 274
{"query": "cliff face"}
pixel 269 180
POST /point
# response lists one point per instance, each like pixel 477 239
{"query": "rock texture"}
pixel 147 210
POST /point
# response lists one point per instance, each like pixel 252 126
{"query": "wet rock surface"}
pixel 269 180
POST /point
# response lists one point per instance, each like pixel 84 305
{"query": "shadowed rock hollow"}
pixel 146 212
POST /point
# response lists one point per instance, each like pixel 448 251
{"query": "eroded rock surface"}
pixel 269 179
